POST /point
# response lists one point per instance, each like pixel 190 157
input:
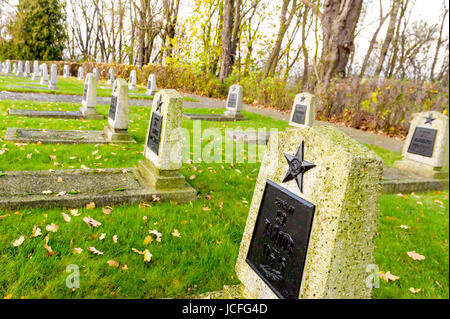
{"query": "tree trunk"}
pixel 388 38
pixel 226 64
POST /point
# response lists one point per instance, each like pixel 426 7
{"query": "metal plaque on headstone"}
pixel 85 91
pixel 280 239
pixel 232 100
pixel 422 142
pixel 154 135
pixel 112 107
pixel 299 114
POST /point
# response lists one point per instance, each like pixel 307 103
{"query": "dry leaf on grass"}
pixel 47 247
pixel 74 212
pixel 147 255
pixel 91 222
pixel 102 236
pixel 113 263
pixel 414 291
pixel 107 210
pixel 157 234
pixel 95 251
pixel 52 227
pixel 19 241
pixel 415 255
pixel 176 233
pixel 66 217
pixel 91 205
pixel 404 227
pixel 114 239
pixel 388 276
pixel 148 240
pixel 36 232
pixel 78 250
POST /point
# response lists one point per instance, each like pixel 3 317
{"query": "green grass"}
pixel 203 258
pixel 427 234
pixel 69 86
pixel 388 156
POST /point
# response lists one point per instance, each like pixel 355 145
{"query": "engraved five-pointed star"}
pixel 429 119
pixel 297 167
pixel 302 98
pixel 159 103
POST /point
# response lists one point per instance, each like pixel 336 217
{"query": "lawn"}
pixel 69 86
pixel 203 257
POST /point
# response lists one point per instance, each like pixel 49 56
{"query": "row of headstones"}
pixel 41 71
pixel 151 83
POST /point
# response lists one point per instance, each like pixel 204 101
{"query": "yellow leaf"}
pixel 52 227
pixel 8 297
pixel 148 240
pixel 78 250
pixel 66 217
pixel 91 205
pixel 107 210
pixel 36 231
pixel 415 255
pixel 414 291
pixel 176 233
pixel 388 276
pixel 47 247
pixel 113 263
pixel 19 241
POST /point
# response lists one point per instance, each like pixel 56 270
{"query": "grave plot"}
pixel 87 110
pixel 115 132
pixel 157 176
pixel 233 110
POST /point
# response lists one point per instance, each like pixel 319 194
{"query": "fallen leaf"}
pixel 148 240
pixel 404 227
pixel 419 203
pixel 36 232
pixel 414 291
pixel 113 263
pixel 125 267
pixel 102 236
pixel 114 239
pixel 107 210
pixel 47 192
pixel 61 193
pixel 78 250
pixel 60 180
pixel 91 222
pixel 176 233
pixel 147 256
pixel 74 212
pixel 95 251
pixel 66 217
pixel 52 227
pixel 439 202
pixel 157 234
pixel 415 255
pixel 91 205
pixel 388 276
pixel 19 241
pixel 8 297
pixel 47 247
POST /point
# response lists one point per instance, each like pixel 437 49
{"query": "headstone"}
pixel 14 70
pixel 163 147
pixel 53 77
pixel 89 100
pixel 303 111
pixel 313 218
pixel 8 67
pixel 151 85
pixel 234 104
pixel 111 78
pixel 132 84
pixel 426 148
pixel 35 70
pixel 2 66
pixel 117 128
pixel 80 76
pixel 95 71
pixel 27 69
pixel 44 74
pixel 66 73
pixel 19 70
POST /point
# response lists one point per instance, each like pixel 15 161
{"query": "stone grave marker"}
pixel 303 111
pixel 19 70
pixel 97 76
pixel 35 70
pixel 14 70
pixel 163 147
pixel 151 85
pixel 80 75
pixel 234 106
pixel 426 148
pixel 132 82
pixel 8 67
pixel 66 73
pixel 117 128
pixel 27 69
pixel 44 74
pixel 313 219
pixel 53 78
pixel 111 77
pixel 89 100
pixel 2 66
